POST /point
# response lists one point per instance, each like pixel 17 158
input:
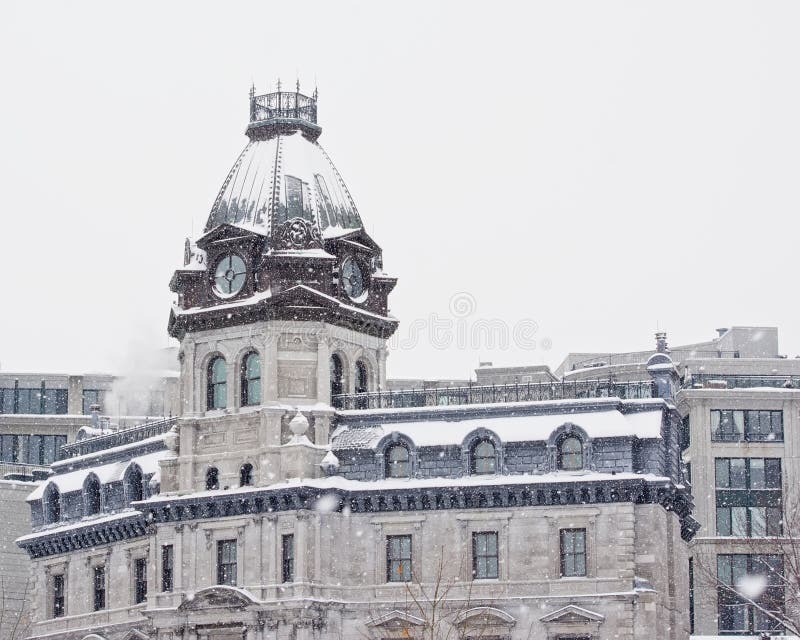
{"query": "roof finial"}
pixel 279 84
pixel 297 86
pixel 252 90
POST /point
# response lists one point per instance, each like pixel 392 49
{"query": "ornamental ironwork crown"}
pixel 273 113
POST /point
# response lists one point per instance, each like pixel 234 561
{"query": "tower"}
pixel 282 304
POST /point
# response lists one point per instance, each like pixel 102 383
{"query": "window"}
pixel 167 567
pixel 217 389
pixel 362 377
pixel 728 425
pixel 734 571
pixel 51 503
pixel 570 454
pixel 327 210
pixel 92 397
pixel 573 553
pixel 294 198
pixel 686 433
pixel 337 374
pixel 91 495
pixel 58 595
pixel 212 479
pixel 251 379
pixel 287 558
pixel 139 580
pixel 246 475
pixel 226 562
pixel 749 497
pixel 398 558
pixel 484 555
pixel 99 588
pixel 483 458
pixel 397 462
pixel 134 485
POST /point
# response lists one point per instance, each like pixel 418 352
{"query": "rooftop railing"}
pixel 283 104
pixel 118 438
pixel 490 394
pixel 714 381
pixel 23 471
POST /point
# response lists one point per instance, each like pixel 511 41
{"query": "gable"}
pixel 217 597
pixel 572 614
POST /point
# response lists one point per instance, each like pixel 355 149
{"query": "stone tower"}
pixel 282 304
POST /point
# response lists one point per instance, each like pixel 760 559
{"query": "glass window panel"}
pixel 757 480
pixel 723 521
pixel 738 473
pixel 772 473
pixel 777 424
pixel 294 197
pixel 758 521
pixel 35 450
pixel 7 401
pixel 739 521
pixel 724 574
pixel 723 472
pixel 58 442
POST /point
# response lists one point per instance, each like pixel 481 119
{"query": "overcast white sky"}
pixel 599 168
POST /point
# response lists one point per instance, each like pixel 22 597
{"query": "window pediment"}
pixel 396 624
pixel 572 614
pixel 218 597
pixel 486 621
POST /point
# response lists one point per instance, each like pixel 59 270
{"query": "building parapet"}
pixel 118 438
pixel 492 394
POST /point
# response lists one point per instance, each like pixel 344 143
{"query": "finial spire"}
pixel 297 85
pixel 279 84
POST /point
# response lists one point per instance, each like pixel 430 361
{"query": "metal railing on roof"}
pixel 490 394
pixel 118 438
pixel 23 471
pixel 735 381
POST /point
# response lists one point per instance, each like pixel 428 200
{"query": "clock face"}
pixel 229 275
pixel 352 278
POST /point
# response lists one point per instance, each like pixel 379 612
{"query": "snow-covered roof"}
pixel 93 520
pixel 111 472
pixel 282 177
pixel 515 428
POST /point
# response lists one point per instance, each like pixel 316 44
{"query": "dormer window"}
pixel 134 484
pixel 51 503
pixel 217 388
pixel 212 479
pixel 570 454
pixel 91 495
pixel 246 475
pixel 483 459
pixel 397 461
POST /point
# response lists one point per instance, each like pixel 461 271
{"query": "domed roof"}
pixel 284 173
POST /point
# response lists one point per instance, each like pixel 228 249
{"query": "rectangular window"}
pixel 484 555
pixel 58 595
pixel 749 497
pixel 99 588
pixel 728 425
pixel 573 553
pixel 398 558
pixel 735 612
pixel 294 197
pixel 140 580
pixel 167 567
pixel 90 397
pixel 226 562
pixel 287 558
pixel 29 401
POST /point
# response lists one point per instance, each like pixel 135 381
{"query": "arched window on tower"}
pixel 246 475
pixel 337 376
pixel 483 459
pixel 217 387
pixel 397 461
pixel 570 454
pixel 212 479
pixel 251 379
pixel 91 495
pixel 51 504
pixel 134 483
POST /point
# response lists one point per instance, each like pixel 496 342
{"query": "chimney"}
pixel 95 409
pixel 661 342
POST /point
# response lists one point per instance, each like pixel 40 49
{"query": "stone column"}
pixel 301 553
pixel 323 369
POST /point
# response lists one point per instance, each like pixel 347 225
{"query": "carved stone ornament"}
pixel 298 233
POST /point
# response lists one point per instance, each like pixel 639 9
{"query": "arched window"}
pixel 217 388
pixel 483 458
pixel 91 495
pixel 246 475
pixel 362 377
pixel 337 376
pixel 397 460
pixel 212 479
pixel 134 484
pixel 51 504
pixel 251 379
pixel 570 454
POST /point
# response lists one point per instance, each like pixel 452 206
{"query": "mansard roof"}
pixel 511 422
